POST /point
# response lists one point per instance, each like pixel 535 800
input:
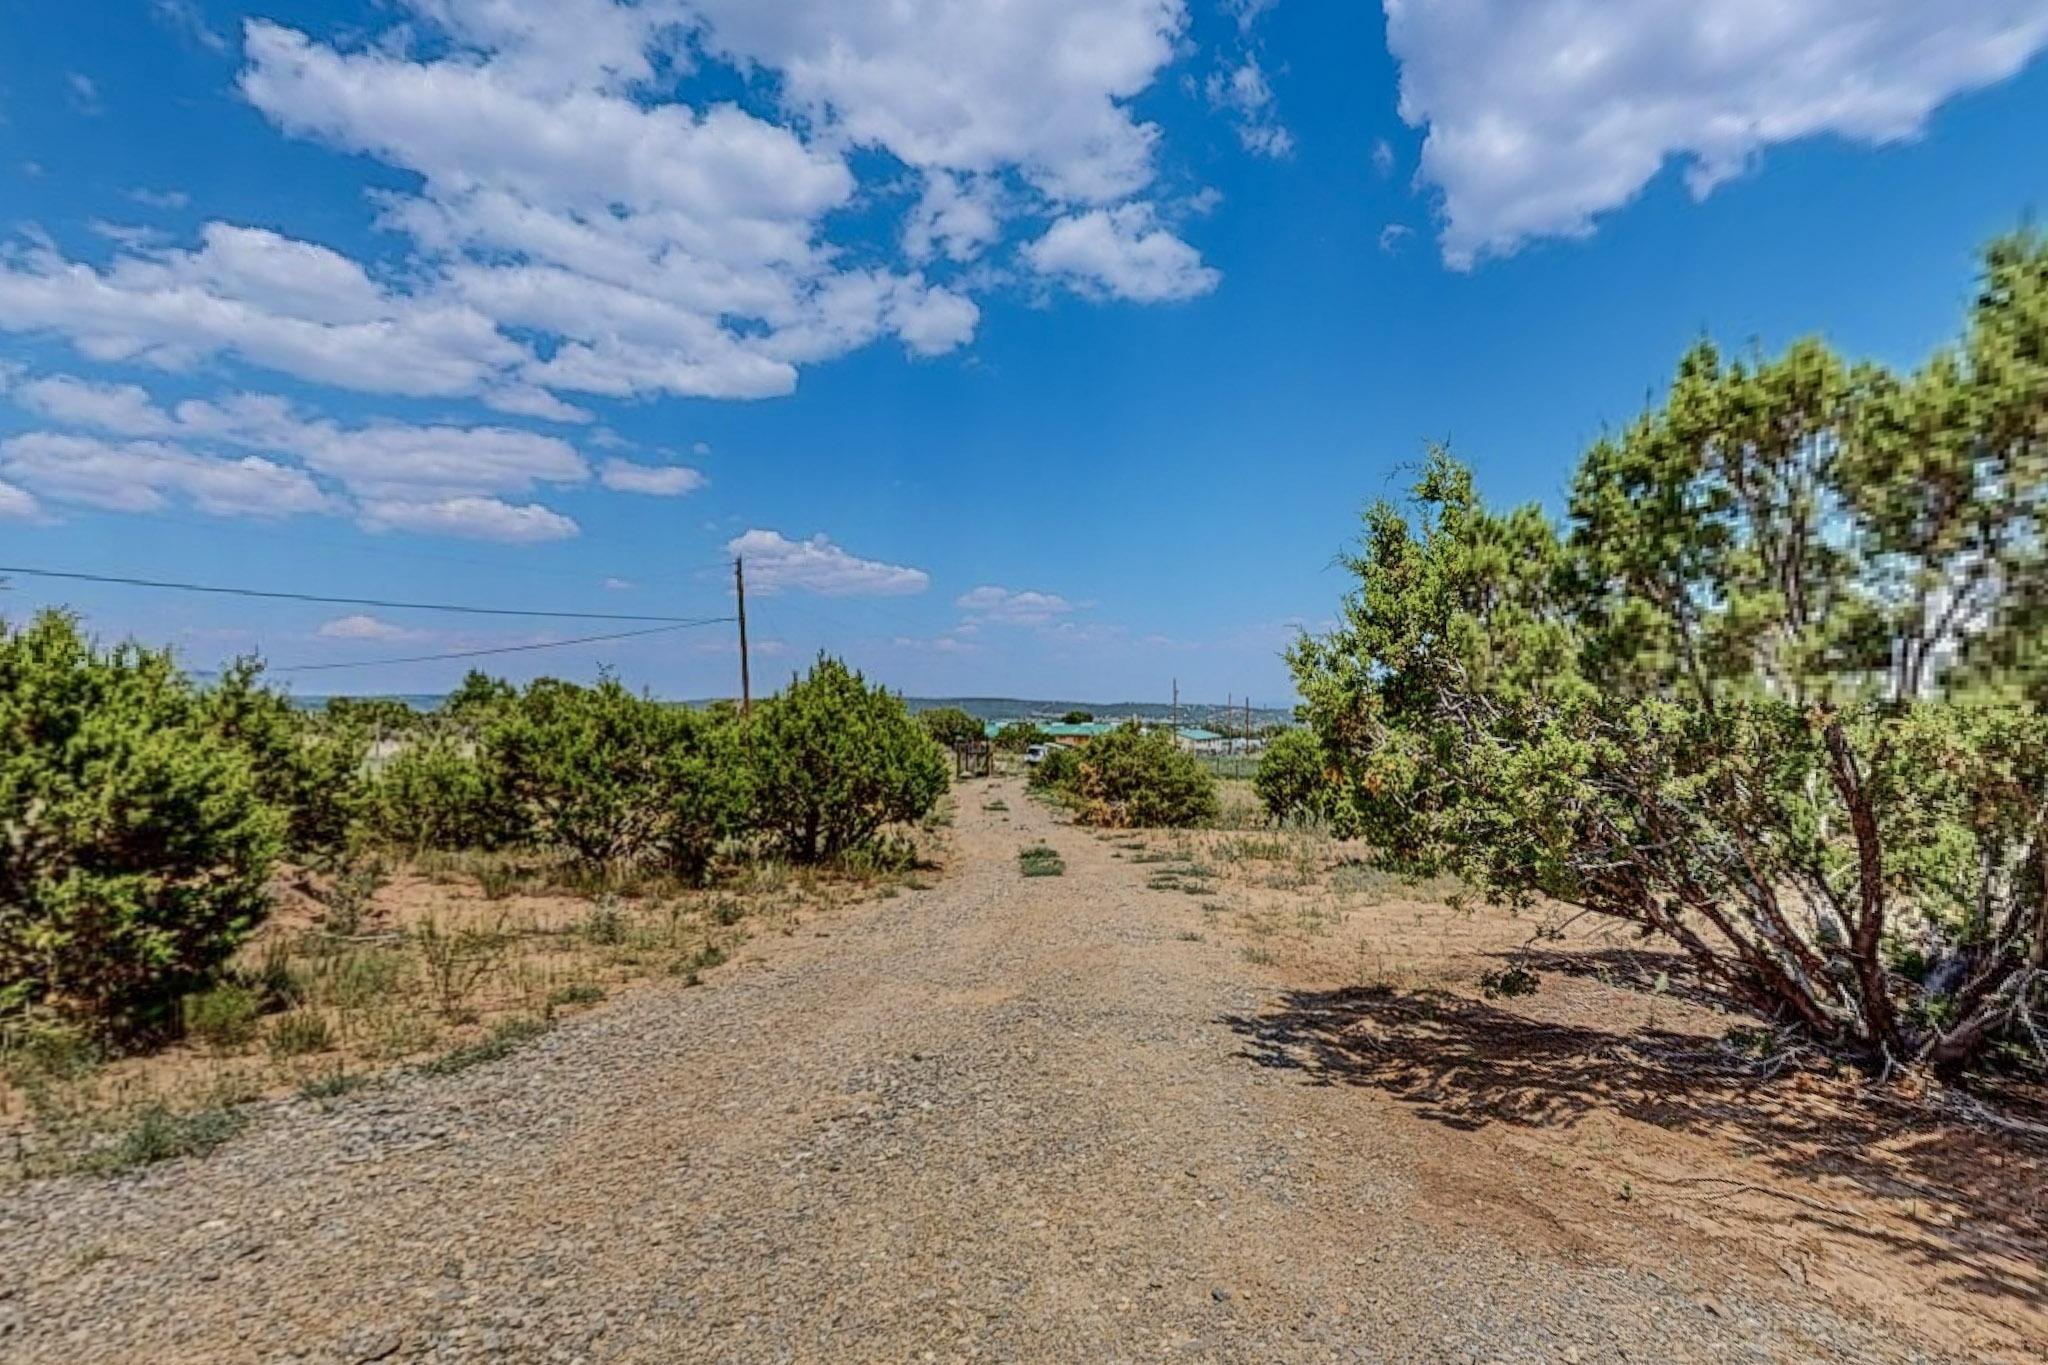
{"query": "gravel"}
pixel 1001 1119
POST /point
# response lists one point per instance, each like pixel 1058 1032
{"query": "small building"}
pixel 1060 732
pixel 1197 740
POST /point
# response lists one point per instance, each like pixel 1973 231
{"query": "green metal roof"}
pixel 1053 729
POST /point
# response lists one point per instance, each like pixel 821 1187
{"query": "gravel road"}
pixel 1000 1119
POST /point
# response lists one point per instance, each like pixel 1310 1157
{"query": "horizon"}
pixel 1000 375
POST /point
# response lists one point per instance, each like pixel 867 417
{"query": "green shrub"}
pixel 1133 778
pixel 1059 772
pixel 1293 780
pixel 158 1133
pixel 579 993
pixel 1019 735
pixel 299 1033
pixel 1041 860
pixel 479 697
pixel 833 761
pixel 222 1017
pixel 137 846
pixel 501 1042
pixel 311 769
pixel 615 777
pixel 375 718
pixel 435 793
pixel 1773 688
pixel 950 725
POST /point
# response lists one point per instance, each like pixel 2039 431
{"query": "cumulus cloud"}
pixel 124 409
pixel 361 626
pixel 263 298
pixel 159 199
pixel 1246 93
pixel 1542 114
pixel 17 504
pixel 1122 253
pixel 469 518
pixel 669 249
pixel 144 476
pixel 665 481
pixel 1011 607
pixel 775 562
pixel 1042 87
pixel 298 463
pixel 957 216
pixel 581 222
pixel 185 17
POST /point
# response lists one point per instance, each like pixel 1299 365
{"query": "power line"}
pixel 223 591
pixel 501 649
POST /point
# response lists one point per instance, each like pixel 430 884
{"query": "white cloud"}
pixel 266 299
pixel 17 504
pixel 124 409
pixel 184 16
pixel 936 644
pixel 580 221
pixel 159 199
pixel 1017 608
pixel 1248 12
pixel 523 400
pixel 142 476
pixel 1042 87
pixel 959 216
pixel 439 479
pixel 382 459
pixel 666 481
pixel 1543 114
pixel 84 92
pixel 1121 252
pixel 1244 91
pixel 618 584
pixel 775 562
pixel 470 518
pixel 360 626
pixel 1393 236
pixel 1383 158
pixel 670 249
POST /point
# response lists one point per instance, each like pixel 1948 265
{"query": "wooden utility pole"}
pixel 739 583
pixel 1176 710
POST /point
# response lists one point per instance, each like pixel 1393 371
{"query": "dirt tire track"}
pixel 1001 1119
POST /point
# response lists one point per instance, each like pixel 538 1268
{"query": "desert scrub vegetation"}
pixel 209 892
pixel 832 761
pixel 1772 691
pixel 138 844
pixel 1294 781
pixel 1041 860
pixel 1130 778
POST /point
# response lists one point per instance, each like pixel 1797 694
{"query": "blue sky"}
pixel 1044 349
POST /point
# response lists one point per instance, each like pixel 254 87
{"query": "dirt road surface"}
pixel 1000 1119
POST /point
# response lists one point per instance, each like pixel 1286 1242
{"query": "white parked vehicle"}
pixel 1036 753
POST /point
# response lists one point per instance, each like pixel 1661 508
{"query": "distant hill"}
pixel 1024 708
pixel 1207 714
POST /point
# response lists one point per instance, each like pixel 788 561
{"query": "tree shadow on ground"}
pixel 1972 1204
pixel 1649 971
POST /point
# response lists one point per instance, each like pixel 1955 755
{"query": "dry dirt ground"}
pixel 1073 1118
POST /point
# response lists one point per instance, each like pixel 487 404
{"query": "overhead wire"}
pixel 386 603
pixel 502 649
